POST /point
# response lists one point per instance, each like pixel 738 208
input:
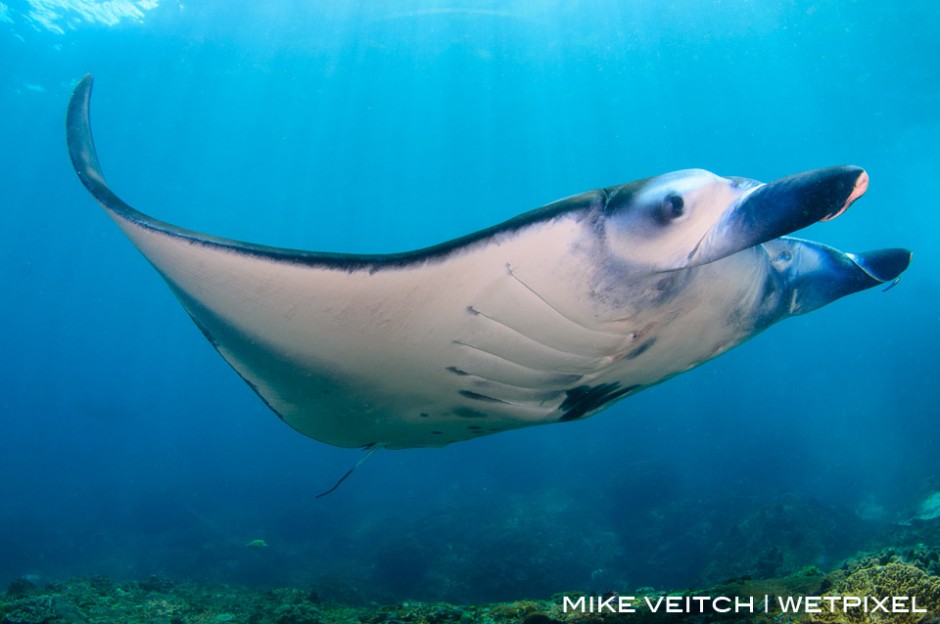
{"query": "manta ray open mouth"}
pixel 818 274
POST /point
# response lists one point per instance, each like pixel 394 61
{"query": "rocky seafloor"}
pixel 908 572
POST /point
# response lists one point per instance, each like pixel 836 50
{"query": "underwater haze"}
pixel 128 447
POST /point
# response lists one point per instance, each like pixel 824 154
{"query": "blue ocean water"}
pixel 129 448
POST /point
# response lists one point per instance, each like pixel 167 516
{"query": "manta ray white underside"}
pixel 548 317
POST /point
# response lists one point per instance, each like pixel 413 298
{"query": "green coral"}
pixel 904 571
pixel 30 611
pixel 875 580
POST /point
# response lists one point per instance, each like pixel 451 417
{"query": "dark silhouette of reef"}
pixel 909 571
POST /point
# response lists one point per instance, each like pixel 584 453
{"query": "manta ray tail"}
pixel 372 450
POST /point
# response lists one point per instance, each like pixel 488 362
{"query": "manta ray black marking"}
pixel 550 316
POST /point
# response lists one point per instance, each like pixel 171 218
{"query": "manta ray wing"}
pixel 416 349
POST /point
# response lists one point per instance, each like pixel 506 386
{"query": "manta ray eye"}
pixel 782 260
pixel 672 208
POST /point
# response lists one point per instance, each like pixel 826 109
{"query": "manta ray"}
pixel 549 317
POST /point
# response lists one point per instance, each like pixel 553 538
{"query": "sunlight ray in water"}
pixel 59 15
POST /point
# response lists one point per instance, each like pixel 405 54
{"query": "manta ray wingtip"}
pixel 81 145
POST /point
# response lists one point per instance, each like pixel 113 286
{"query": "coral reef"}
pixel 782 536
pixel 905 573
pixel 908 572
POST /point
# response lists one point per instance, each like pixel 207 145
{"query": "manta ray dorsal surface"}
pixel 548 317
